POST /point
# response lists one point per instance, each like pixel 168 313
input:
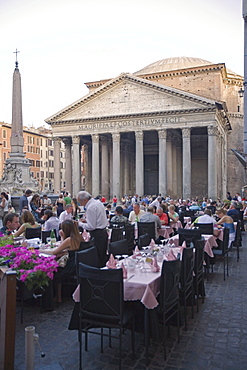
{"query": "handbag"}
pixel 62 261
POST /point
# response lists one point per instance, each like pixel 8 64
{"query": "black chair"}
pixel 181 218
pixel 130 237
pixel 205 228
pixel 224 251
pixel 235 217
pixel 169 295
pixel 237 241
pixel 118 247
pixel 31 232
pixel 86 245
pixel 117 234
pixel 88 257
pixel 116 224
pixel 189 236
pixel 199 271
pixel 186 282
pixel 144 240
pixel 101 308
pixel 146 228
pixel 46 234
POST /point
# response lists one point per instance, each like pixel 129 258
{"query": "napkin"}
pixel 154 265
pixel 152 243
pixel 137 251
pixel 124 271
pixel 86 236
pixel 184 244
pixel 112 263
pixel 171 256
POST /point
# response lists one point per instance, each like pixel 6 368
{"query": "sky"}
pixel 65 43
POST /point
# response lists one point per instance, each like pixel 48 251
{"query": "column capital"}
pixel 162 134
pixel 116 136
pixel 56 140
pixel 212 130
pixel 67 141
pixel 139 135
pixel 186 132
pixel 76 139
pixel 95 138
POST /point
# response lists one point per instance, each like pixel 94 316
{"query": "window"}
pixel 4 156
pixel 61 164
pixel 41 141
pixel 41 153
pixel 4 134
pixel 51 152
pixel 37 175
pixel 37 141
pixel 4 144
pixel 42 174
pixel 51 175
pixel 37 150
pixel 51 163
pixel 37 163
pixel 50 142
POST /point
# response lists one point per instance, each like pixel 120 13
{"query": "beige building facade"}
pixel 168 128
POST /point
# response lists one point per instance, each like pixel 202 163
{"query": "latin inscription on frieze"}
pixel 139 123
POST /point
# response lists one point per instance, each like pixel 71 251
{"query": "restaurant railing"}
pixel 7 318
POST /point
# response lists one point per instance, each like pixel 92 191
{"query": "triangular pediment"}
pixel 130 95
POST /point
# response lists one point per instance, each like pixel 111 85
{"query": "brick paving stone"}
pixel 215 340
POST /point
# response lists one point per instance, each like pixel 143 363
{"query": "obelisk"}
pixel 16 174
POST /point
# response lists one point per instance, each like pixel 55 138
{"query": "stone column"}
pixel 126 171
pixel 104 167
pixel 162 161
pixel 174 172
pixel 179 171
pixel 76 168
pixel 68 164
pixel 169 172
pixel 139 163
pixel 186 163
pixel 212 162
pixel 95 165
pixel 57 165
pixel 89 170
pixel 116 164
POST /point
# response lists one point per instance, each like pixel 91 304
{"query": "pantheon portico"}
pixel 137 133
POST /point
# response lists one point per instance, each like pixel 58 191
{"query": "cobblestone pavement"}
pixel 216 337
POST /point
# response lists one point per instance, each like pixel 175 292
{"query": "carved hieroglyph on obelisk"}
pixel 16 172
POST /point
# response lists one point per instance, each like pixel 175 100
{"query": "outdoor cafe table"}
pixel 210 242
pixel 143 287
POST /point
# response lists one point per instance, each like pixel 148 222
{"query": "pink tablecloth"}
pixel 142 286
pixel 175 225
pixel 165 231
pixel 210 242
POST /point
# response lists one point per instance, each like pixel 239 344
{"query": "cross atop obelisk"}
pixel 16 61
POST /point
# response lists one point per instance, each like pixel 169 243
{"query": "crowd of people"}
pixel 70 216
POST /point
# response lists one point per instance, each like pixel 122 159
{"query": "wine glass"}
pixel 125 256
pixel 118 256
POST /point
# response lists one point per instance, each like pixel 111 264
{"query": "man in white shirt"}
pixel 96 223
pixel 67 214
pixel 135 215
pixel 208 219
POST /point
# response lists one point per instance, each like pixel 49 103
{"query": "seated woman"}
pixel 51 221
pixel 70 242
pixel 174 217
pixel 35 205
pixel 226 221
pixel 27 220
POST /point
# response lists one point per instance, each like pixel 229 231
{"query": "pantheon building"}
pixel 168 128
